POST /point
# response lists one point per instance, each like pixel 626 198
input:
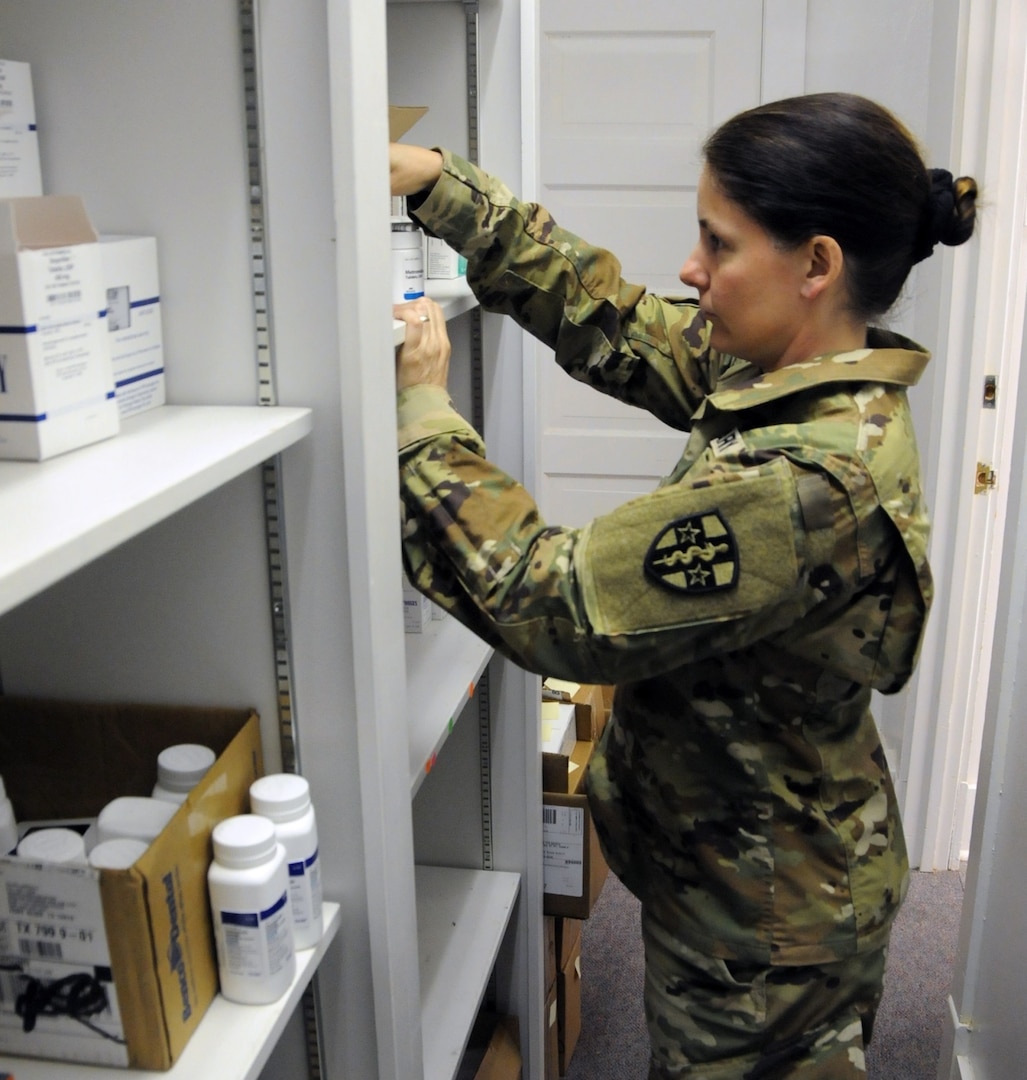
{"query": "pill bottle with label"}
pixel 407 260
pixel 137 817
pixel 117 854
pixel 249 898
pixel 8 825
pixel 179 769
pixel 58 845
pixel 284 798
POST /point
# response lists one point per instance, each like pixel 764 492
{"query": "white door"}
pixel 628 92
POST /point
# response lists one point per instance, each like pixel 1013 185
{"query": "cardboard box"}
pixel 559 729
pixel 132 284
pixel 568 940
pixel 551 1021
pixel 402 118
pixel 140 938
pixel 564 772
pixel 416 610
pixel 568 1006
pixel 442 263
pixel 493 1050
pixel 56 381
pixel 573 867
pixel 549 966
pixel 20 174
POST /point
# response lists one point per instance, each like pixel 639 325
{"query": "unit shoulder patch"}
pixel 693 555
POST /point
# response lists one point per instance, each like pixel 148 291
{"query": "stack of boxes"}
pixel 574 869
pixel 81 346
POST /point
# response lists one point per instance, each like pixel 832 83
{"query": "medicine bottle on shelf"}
pixel 407 260
pixel 179 769
pixel 116 854
pixel 8 825
pixel 249 898
pixel 54 845
pixel 137 817
pixel 284 798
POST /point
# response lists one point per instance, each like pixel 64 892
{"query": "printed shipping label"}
pixel 57 996
pixel 563 850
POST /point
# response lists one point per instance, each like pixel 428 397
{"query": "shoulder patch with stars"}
pixel 695 554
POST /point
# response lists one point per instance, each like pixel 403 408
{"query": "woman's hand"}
pixel 412 168
pixel 424 355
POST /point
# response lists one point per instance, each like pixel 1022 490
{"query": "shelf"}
pixel 444 664
pixel 453 296
pixel 462 916
pixel 66 511
pixel 233 1042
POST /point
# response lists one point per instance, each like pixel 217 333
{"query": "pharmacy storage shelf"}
pixel 453 296
pixel 462 916
pixel 444 664
pixel 233 1042
pixel 64 512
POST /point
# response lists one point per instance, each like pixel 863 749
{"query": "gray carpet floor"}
pixel 907 1037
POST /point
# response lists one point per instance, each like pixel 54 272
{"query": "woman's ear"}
pixel 825 267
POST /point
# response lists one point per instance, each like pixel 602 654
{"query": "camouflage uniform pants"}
pixel 713 1019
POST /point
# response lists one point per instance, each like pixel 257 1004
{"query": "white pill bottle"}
pixel 407 260
pixel 284 798
pixel 8 825
pixel 249 898
pixel 179 769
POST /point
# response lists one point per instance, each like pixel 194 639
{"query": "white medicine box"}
pixel 56 381
pixel 19 141
pixel 134 321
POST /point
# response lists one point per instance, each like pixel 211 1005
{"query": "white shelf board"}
pixel 232 1042
pixel 454 296
pixel 462 916
pixel 444 664
pixel 62 513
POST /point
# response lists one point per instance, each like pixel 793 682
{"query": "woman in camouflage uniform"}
pixel 748 607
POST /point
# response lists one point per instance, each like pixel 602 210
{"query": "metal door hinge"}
pixel 985 479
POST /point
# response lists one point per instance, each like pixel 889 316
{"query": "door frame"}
pixel 983 328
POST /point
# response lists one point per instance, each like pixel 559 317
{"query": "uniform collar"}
pixel 888 358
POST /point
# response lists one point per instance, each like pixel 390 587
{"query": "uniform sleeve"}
pixel 645 350
pixel 667 579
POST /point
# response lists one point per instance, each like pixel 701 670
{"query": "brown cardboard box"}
pixel 573 865
pixel 552 1036
pixel 402 118
pixel 568 1005
pixel 550 965
pixel 493 1050
pixel 143 935
pixel 568 940
pixel 564 773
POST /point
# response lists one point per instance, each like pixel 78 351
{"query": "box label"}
pixel 57 995
pixel 563 850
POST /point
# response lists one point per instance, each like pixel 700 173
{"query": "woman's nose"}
pixel 692 273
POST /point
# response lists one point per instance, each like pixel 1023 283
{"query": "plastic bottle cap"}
pixel 244 840
pixel 53 845
pixel 280 796
pixel 116 854
pixel 183 766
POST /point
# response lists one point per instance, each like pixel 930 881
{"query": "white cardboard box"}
pixel 442 263
pixel 19 141
pixel 134 321
pixel 56 381
pixel 416 609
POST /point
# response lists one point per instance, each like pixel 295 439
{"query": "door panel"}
pixel 628 92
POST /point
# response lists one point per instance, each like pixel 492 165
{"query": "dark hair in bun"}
pixel 841 165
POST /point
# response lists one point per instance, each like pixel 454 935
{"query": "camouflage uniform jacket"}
pixel 745 609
